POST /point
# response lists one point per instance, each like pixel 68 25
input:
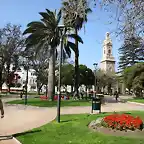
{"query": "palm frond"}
pixel 34 26
pixel 74 36
pixel 67 50
pixel 72 46
pixel 48 18
pixel 88 10
pixel 59 15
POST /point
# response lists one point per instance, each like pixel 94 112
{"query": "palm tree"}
pixel 75 15
pixel 46 35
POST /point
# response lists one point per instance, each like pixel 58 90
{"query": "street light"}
pixel 61 27
pixel 0 72
pixel 95 84
pixel 26 67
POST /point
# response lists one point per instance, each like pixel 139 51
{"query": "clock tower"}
pixel 108 61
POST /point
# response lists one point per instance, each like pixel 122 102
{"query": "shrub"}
pixel 122 122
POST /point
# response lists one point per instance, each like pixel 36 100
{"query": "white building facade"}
pixel 22 73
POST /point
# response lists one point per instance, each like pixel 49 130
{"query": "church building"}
pixel 108 62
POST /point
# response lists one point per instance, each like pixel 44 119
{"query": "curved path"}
pixel 19 118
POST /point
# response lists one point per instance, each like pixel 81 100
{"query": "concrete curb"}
pixel 135 103
pixel 17 142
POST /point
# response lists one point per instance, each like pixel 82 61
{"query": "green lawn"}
pixel 73 130
pixel 46 103
pixel 137 100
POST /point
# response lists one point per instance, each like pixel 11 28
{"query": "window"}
pixel 30 81
pixel 109 51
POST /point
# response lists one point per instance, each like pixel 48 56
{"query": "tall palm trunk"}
pixel 76 85
pixel 51 76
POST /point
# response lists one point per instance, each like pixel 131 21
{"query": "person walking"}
pixel 116 95
pixel 1 109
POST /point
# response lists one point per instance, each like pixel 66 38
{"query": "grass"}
pixel 6 94
pixel 138 100
pixel 73 130
pixel 46 103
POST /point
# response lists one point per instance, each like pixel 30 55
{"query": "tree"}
pixel 138 84
pixel 125 13
pixel 39 63
pixel 133 78
pixel 46 35
pixel 105 79
pixel 2 59
pixel 74 16
pixel 12 43
pixel 67 74
pixel 131 52
pixel 86 75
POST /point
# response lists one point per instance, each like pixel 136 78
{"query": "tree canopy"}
pixel 131 52
pixel 133 78
pixel 11 45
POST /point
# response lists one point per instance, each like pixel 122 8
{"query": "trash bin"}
pixel 96 104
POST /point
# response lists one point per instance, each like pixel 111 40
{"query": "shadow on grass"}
pixel 70 120
pixel 25 133
pixel 138 98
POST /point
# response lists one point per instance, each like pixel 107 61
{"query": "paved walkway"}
pixel 19 118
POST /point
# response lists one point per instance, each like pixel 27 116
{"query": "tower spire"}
pixel 108 62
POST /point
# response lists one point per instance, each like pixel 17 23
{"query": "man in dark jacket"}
pixel 116 96
pixel 1 109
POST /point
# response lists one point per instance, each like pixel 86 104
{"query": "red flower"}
pixel 123 121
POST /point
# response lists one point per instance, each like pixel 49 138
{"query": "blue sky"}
pixel 23 12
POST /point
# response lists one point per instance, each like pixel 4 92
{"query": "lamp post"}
pixel 1 73
pixel 61 27
pixel 26 66
pixel 95 84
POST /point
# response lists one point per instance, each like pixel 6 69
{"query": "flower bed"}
pixel 55 97
pixel 122 122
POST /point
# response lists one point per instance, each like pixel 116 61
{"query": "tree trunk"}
pixel 86 92
pixel 71 89
pixel 46 90
pixel 1 75
pixel 51 75
pixel 76 84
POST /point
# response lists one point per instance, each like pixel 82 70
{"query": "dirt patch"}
pixel 108 131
